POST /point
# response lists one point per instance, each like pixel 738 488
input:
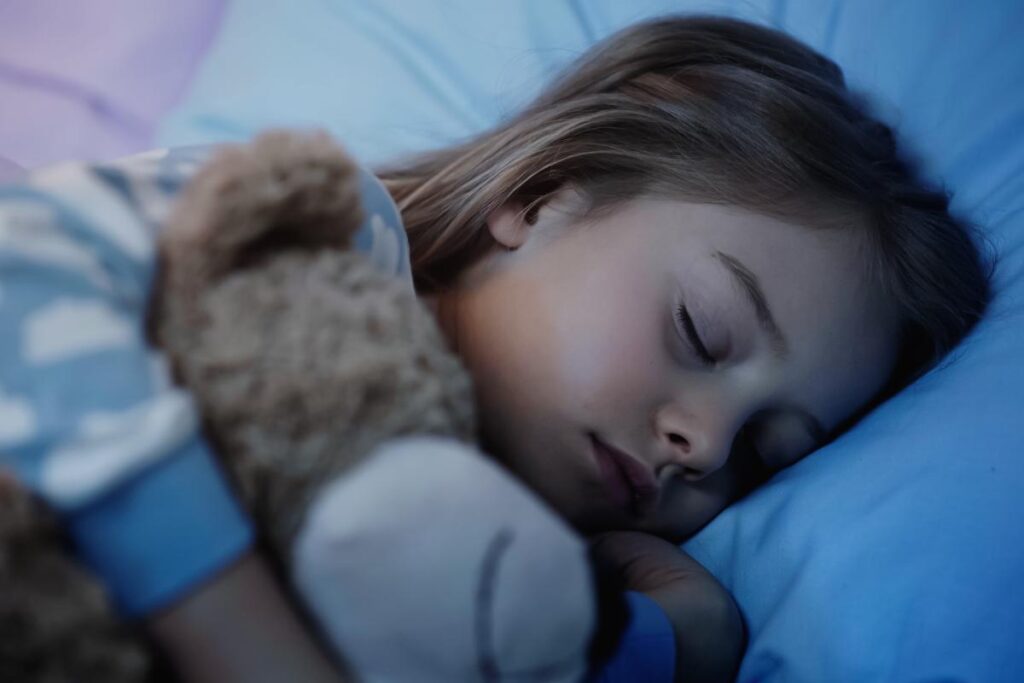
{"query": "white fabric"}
pixel 428 563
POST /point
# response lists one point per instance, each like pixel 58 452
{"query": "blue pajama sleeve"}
pixel 647 651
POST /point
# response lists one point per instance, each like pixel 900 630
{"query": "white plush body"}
pixel 428 562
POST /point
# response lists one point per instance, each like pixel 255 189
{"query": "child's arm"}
pixel 709 631
pixel 91 422
pixel 238 627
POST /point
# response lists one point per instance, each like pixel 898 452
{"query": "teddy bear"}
pixel 347 428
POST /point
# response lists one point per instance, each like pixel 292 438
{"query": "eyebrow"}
pixel 751 286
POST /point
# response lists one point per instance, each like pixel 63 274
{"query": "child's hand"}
pixel 709 630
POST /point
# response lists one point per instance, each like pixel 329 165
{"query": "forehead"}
pixel 779 252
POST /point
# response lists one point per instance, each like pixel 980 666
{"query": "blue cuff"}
pixel 153 539
pixel 647 651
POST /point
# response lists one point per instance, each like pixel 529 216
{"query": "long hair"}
pixel 713 110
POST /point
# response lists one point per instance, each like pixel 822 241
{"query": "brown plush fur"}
pixel 55 623
pixel 301 358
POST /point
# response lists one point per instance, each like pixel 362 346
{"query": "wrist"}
pixel 239 627
pixel 647 648
pixel 155 538
pixel 710 635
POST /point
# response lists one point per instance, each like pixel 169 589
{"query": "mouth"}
pixel 630 484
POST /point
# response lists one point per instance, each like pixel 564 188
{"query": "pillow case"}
pixel 892 554
pixel 88 80
pixel 9 170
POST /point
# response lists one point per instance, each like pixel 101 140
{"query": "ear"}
pixel 514 223
pixel 284 191
pixel 509 226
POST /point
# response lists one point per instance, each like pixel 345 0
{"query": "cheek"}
pixel 841 376
pixel 611 356
pixel 524 355
pixel 511 363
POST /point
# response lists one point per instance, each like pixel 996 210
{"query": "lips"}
pixel 630 484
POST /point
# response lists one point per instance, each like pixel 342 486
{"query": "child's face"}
pixel 576 334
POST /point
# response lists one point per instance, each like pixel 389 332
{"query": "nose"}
pixel 699 444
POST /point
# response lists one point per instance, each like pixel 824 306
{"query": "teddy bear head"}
pixel 301 356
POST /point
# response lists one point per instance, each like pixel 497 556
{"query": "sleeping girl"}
pixel 693 260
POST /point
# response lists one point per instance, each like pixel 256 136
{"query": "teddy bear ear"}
pixel 283 191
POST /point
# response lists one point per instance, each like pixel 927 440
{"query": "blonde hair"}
pixel 719 111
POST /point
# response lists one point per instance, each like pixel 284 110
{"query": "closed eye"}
pixel 696 343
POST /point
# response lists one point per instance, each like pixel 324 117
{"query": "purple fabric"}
pixel 8 169
pixel 89 80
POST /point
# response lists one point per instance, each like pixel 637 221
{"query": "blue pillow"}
pixel 892 554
